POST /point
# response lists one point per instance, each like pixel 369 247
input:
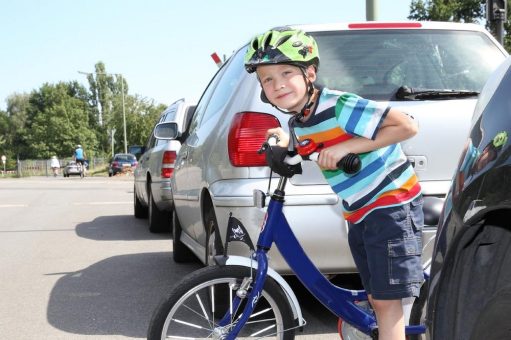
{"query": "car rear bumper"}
pixel 162 193
pixel 314 213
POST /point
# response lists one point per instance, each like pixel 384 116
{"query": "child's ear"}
pixel 311 73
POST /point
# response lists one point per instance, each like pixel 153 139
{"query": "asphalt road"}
pixel 76 264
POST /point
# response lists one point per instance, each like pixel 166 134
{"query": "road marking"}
pixel 13 205
pixel 101 203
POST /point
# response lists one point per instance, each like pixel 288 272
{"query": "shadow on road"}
pixel 118 228
pixel 118 295
pixel 115 296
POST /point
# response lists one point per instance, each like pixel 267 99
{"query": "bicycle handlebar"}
pixel 350 163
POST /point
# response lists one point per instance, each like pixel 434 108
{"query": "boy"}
pixel 382 203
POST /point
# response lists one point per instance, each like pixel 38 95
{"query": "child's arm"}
pixel 395 128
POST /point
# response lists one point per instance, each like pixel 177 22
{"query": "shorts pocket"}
pixel 417 214
pixel 405 260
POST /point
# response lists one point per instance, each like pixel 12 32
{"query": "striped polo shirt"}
pixel 386 178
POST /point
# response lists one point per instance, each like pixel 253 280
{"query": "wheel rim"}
pixel 195 316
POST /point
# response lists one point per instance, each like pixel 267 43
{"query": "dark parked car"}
pixel 470 286
pixel 122 162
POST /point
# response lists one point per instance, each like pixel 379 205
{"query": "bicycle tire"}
pixel 200 300
pixel 418 313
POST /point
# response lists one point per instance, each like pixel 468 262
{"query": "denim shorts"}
pixel 387 246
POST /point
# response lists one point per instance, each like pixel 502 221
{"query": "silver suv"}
pixel 152 191
pixel 430 70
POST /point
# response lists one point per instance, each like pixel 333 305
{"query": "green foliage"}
pixel 54 118
pixel 469 11
pixel 141 117
pixel 60 121
pixel 447 10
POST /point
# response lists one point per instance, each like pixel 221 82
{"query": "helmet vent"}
pixel 255 44
pixel 282 40
pixel 267 41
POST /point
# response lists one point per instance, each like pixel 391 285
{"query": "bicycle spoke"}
pixel 188 324
pixel 202 308
pixel 263 330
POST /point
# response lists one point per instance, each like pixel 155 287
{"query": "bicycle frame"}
pixel 340 301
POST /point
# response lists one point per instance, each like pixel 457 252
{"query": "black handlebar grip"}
pixel 350 164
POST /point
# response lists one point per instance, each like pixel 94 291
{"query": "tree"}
pixel 17 114
pixel 469 11
pixel 446 10
pixel 60 120
pixel 142 114
pixel 54 118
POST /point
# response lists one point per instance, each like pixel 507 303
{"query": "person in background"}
pixel 79 157
pixel 55 165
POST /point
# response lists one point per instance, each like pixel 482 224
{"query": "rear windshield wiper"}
pixel 405 92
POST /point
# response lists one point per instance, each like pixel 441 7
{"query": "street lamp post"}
pixel 123 106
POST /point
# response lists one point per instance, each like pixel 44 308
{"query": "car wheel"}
pixel 213 240
pixel 139 210
pixel 418 314
pixel 474 300
pixel 159 221
pixel 180 252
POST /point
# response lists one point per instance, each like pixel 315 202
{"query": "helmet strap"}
pixel 306 109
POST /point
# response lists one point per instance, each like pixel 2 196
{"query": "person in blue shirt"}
pixel 79 155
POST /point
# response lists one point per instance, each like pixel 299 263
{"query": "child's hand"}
pixel 329 157
pixel 281 134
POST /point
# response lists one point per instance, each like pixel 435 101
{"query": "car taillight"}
pixel 246 135
pixel 167 164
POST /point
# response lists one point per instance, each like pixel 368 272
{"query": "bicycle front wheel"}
pixel 197 304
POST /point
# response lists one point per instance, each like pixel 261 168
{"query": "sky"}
pixel 162 47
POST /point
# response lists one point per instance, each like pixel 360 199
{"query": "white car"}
pixel 430 70
pixel 152 192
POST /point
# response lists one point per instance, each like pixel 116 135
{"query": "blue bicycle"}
pixel 244 298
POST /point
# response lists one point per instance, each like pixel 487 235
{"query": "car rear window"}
pixel 124 158
pixel 375 63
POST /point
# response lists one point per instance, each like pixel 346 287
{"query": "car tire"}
pixel 418 313
pixel 180 252
pixel 140 211
pixel 159 221
pixel 213 240
pixel 474 300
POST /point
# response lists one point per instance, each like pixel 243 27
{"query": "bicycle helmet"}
pixel 78 146
pixel 282 45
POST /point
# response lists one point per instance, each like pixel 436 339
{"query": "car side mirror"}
pixel 166 130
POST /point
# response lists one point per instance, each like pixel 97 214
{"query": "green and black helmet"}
pixel 282 45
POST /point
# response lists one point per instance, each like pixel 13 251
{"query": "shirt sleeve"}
pixel 360 116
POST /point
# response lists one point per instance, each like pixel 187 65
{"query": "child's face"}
pixel 284 85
